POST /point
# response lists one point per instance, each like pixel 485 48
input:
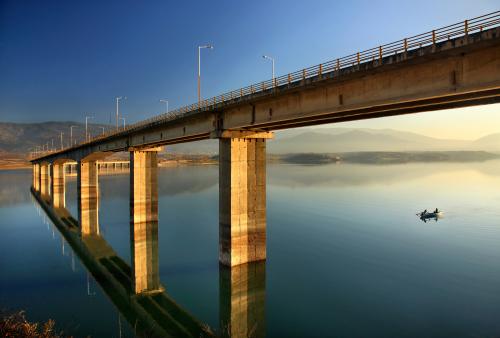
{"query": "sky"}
pixel 64 60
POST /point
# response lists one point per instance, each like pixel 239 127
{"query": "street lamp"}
pixel 271 59
pixel 102 130
pixel 209 46
pixel 86 127
pixel 122 118
pixel 118 109
pixel 71 135
pixel 62 146
pixel 166 102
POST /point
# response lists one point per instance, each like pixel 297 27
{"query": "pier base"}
pixel 242 199
pixel 88 197
pixel 45 181
pixel 58 186
pixel 144 220
pixel 36 177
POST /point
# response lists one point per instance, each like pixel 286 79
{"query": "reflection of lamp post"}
pixel 89 293
pixel 199 69
pixel 272 60
pixel 86 127
pixel 166 102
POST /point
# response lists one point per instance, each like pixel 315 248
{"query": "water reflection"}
pixel 242 288
pixel 242 300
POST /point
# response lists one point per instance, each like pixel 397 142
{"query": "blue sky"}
pixel 61 60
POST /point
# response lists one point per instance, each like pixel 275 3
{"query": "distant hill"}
pixel 21 137
pixel 379 157
pixel 491 141
pixel 18 138
pixel 351 140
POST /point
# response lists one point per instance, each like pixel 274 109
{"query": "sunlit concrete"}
pixel 58 185
pixel 88 197
pixel 45 180
pixel 36 177
pixel 242 291
pixel 144 220
pixel 242 199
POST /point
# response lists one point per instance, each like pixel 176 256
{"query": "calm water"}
pixel 347 257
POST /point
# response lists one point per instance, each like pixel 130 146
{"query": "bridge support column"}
pixel 144 220
pixel 36 177
pixel 45 180
pixel 242 197
pixel 88 197
pixel 58 186
pixel 242 291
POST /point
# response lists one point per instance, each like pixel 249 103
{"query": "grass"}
pixel 16 325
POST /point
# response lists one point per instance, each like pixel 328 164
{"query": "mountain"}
pixel 348 140
pixel 491 141
pixel 18 138
pixel 22 137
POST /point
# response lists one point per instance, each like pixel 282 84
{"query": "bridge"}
pixel 454 66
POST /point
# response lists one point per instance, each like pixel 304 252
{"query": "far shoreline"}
pixel 362 157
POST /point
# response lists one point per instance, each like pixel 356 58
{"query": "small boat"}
pixel 435 214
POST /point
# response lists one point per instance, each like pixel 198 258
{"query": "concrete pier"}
pixel 36 177
pixel 45 180
pixel 58 185
pixel 242 197
pixel 144 220
pixel 242 300
pixel 88 197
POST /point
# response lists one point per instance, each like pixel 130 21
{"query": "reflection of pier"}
pixel 136 290
pixel 105 167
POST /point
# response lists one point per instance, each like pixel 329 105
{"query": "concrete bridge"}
pixel 454 66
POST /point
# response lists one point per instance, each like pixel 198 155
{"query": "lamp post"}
pixel 166 102
pixel 62 146
pixel 86 127
pixel 71 135
pixel 102 130
pixel 118 109
pixel 272 60
pixel 209 46
pixel 122 118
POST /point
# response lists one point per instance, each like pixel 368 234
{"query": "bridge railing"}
pixel 329 68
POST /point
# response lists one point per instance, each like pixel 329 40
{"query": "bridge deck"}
pixel 455 66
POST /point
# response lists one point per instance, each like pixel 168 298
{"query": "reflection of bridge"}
pixel 155 313
pixel 455 66
pixel 71 168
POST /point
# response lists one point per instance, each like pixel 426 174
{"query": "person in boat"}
pixel 424 212
pixel 436 211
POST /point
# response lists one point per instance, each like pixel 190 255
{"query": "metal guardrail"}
pixel 370 55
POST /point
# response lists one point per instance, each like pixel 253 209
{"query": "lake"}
pixel 346 254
